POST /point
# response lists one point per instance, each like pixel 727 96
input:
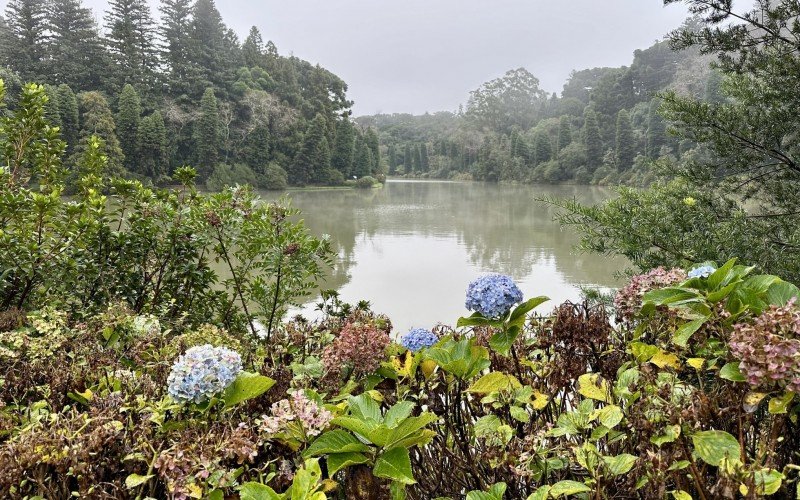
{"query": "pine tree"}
pixel 564 133
pixel 152 146
pixel 371 138
pixel 625 150
pixel 417 159
pixel 363 160
pixel 52 112
pixel 97 119
pixel 257 149
pixel 175 34
pixel 344 147
pixel 68 113
pixel 131 41
pixel 5 35
pixel 542 148
pixel 392 159
pixel 24 40
pixel 656 131
pixel 208 41
pixel 129 116
pixel 314 156
pixel 592 140
pixel 253 49
pixel 424 161
pixel 408 159
pixel 208 136
pixel 77 56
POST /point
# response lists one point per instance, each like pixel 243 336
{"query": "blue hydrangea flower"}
pixel 203 372
pixel 493 295
pixel 701 272
pixel 418 338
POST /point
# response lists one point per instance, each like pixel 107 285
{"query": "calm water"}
pixel 412 247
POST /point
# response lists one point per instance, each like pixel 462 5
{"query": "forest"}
pixel 604 128
pixel 182 89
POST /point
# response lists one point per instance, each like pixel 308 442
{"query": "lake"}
pixel 412 247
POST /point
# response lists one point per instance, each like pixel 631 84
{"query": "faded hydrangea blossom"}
pixel 628 301
pixel 493 295
pixel 769 349
pixel 418 338
pixel 701 272
pixel 313 418
pixel 203 372
pixel 361 346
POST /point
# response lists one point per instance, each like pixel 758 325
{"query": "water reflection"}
pixel 412 247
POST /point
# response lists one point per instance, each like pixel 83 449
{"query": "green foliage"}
pixel 208 134
pixel 129 117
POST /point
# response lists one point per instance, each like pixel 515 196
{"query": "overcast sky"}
pixel 426 55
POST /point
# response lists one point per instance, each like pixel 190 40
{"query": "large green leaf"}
pixel 620 464
pixel 395 464
pixel 671 295
pixel 503 340
pixel 732 372
pixel 398 413
pixel 409 433
pixel 336 441
pixel 592 385
pixel 365 428
pixel 722 276
pixel 477 319
pixel 496 492
pixel 685 332
pixel 246 386
pixel 564 488
pixel 364 407
pixel 781 293
pixel 338 461
pixel 714 446
pixel 517 317
pixel 257 491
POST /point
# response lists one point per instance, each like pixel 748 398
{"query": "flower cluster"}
pixel 418 338
pixel 493 295
pixel 203 372
pixel 361 346
pixel 769 349
pixel 299 408
pixel 628 301
pixel 701 272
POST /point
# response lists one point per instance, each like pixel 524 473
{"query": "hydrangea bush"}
pixel 628 300
pixel 202 373
pixel 418 338
pixel 493 295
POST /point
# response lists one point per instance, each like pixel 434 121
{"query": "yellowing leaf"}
pixel 696 363
pixel 593 386
pixel 539 400
pixel 663 359
pixel 752 400
pixel 780 404
pixel 495 381
pixel 427 367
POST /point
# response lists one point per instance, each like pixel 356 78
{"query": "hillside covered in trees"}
pixel 604 128
pixel 181 88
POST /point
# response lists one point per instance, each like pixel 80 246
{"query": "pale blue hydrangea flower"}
pixel 493 295
pixel 701 272
pixel 418 338
pixel 203 372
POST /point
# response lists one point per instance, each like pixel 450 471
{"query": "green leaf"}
pixel 495 381
pixel 643 352
pixel 721 275
pixel 681 495
pixel 409 433
pixel 398 413
pixel 564 488
pixel 246 386
pixel 364 406
pixel 476 319
pixel 336 441
pixel 684 333
pixel 542 493
pixel 620 464
pixel 714 446
pixel 365 428
pixel 216 495
pixel 496 492
pixel 781 293
pixel 257 491
pixel 338 461
pixel 504 339
pixel 768 481
pixel 519 414
pixel 395 464
pixel 670 295
pixel 135 480
pixel 731 372
pixel 760 283
pixel 518 314
pixel 780 404
pixel 592 385
pixel 610 416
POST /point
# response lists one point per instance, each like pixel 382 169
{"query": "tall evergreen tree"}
pixel 656 131
pixel 417 159
pixel 152 146
pixel 542 148
pixel 392 159
pixel 24 38
pixel 176 40
pixel 52 112
pixel 625 150
pixel 371 138
pixel 208 136
pixel 77 56
pixel 131 41
pixel 129 116
pixel 208 43
pixel 424 162
pixel 592 139
pixel 97 119
pixel 4 41
pixel 344 147
pixel 68 113
pixel 314 155
pixel 564 133
pixel 253 49
pixel 363 160
pixel 257 149
pixel 408 158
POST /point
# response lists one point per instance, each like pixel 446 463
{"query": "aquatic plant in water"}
pixel 202 373
pixel 417 339
pixel 493 295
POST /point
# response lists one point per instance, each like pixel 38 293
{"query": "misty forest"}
pixel 219 280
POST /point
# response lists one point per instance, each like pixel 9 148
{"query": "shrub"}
pixel 366 182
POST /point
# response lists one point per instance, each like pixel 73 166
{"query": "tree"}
pixel 592 139
pixel 68 112
pixel 424 161
pixel 129 115
pixel 564 133
pixel 97 119
pixel 392 159
pixel 344 147
pixel 363 160
pixel 656 131
pixel 625 149
pixel 176 43
pixel 131 41
pixel 253 49
pixel 77 57
pixel 314 156
pixel 208 137
pixel 208 42
pixel 152 146
pixel 371 137
pixel 408 158
pixel 542 148
pixel 24 38
pixel 506 102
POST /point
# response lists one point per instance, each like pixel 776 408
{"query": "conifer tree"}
pixel 625 150
pixel 424 161
pixel 51 110
pixel 131 41
pixel 592 139
pixel 253 49
pixel 77 56
pixel 257 149
pixel 314 156
pixel 208 41
pixel 392 159
pixel 129 115
pixel 417 159
pixel 176 43
pixel 344 147
pixel 24 38
pixel 542 148
pixel 363 160
pixel 152 146
pixel 68 113
pixel 208 136
pixel 4 41
pixel 97 119
pixel 371 138
pixel 656 131
pixel 408 159
pixel 564 133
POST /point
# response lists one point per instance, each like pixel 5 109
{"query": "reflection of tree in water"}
pixel 502 227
